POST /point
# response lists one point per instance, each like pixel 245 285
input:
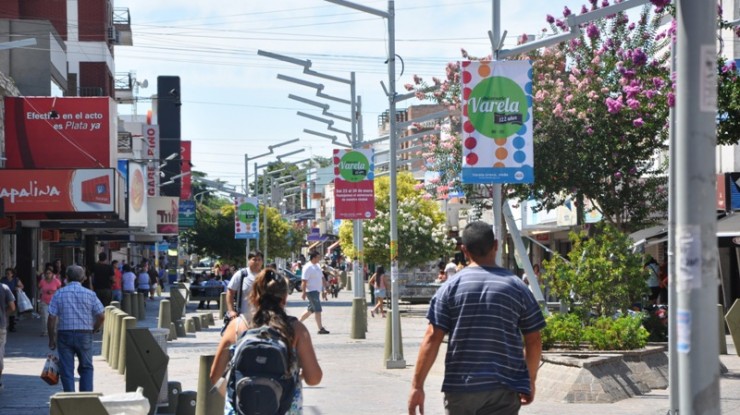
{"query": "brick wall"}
pixel 96 75
pixel 94 17
pixel 11 9
pixel 53 10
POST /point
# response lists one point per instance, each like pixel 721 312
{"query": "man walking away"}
pixel 487 311
pixel 102 279
pixel 75 313
pixel 313 285
pixel 7 306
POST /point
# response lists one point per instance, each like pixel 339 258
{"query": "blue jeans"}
pixel 69 345
pixel 117 295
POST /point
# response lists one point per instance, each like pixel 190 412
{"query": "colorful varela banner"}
pixel 354 195
pixel 497 122
pixel 246 218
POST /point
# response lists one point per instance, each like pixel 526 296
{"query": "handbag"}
pixel 50 373
pixel 24 303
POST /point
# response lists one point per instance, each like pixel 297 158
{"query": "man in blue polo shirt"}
pixel 486 310
pixel 75 313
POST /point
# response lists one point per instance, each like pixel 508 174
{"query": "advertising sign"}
pixel 186 180
pixel 137 198
pixel 60 132
pixel 54 191
pixel 187 214
pixel 151 138
pixel 163 213
pixel 497 122
pixel 354 195
pixel 246 218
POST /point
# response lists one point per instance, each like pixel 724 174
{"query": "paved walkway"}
pixel 355 379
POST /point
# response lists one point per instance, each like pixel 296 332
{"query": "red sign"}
pixel 59 132
pixel 186 188
pixel 81 190
pixel 354 193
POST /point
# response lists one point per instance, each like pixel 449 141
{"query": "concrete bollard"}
pixel 222 305
pixel 173 393
pixel 203 321
pixel 389 337
pixel 209 318
pixel 142 307
pixel 208 403
pixel 135 305
pixel 115 341
pixel 359 322
pixel 173 332
pixel 722 335
pixel 165 315
pixel 126 303
pixel 196 321
pixel 186 403
pixel 179 328
pixel 115 304
pixel 105 352
pixel 189 325
pixel 128 322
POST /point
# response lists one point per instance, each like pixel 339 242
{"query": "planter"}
pixel 583 376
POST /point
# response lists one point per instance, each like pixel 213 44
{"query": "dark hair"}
pixel 269 290
pixel 126 268
pixel 379 270
pixel 255 253
pixel 478 238
pixel 102 256
pixel 313 254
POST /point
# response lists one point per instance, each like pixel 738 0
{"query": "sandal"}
pixel 372 313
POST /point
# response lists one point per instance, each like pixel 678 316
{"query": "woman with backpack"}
pixel 268 297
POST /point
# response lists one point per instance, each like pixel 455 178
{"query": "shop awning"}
pixel 314 245
pixel 648 235
pixel 332 246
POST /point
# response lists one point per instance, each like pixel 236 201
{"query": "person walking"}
pixel 7 306
pixel 142 280
pixel 128 280
pixel 482 304
pixel 268 296
pixel 312 286
pixel 380 286
pixel 75 313
pixel 102 279
pixel 237 301
pixel 15 284
pixel 48 285
pixel 116 288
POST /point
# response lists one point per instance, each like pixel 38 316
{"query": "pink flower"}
pixel 409 87
pixel 614 105
pixel 566 12
pixel 633 103
pixel 592 31
pixel 550 19
pixel 638 122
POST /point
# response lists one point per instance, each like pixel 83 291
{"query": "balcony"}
pixel 123 83
pixel 120 34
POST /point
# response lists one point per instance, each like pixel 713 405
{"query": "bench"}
pixel 206 293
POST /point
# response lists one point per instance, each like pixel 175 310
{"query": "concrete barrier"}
pixel 135 306
pixel 189 325
pixel 118 315
pixel 71 403
pixel 173 332
pixel 173 394
pixel 165 318
pixel 142 306
pixel 126 303
pixel 222 305
pixel 128 322
pixel 208 403
pixel 389 337
pixel 196 322
pixel 105 350
pixel 203 321
pixel 180 328
pixel 186 403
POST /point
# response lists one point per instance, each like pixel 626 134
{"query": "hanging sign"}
pixel 354 195
pixel 246 218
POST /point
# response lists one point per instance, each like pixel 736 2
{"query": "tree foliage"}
pixel 602 272
pixel 422 233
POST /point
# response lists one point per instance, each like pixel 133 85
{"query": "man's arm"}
pixel 427 355
pixel 532 354
pixel 98 322
pixel 230 302
pixel 51 328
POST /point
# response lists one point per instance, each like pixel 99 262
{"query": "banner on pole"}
pixel 246 218
pixel 497 122
pixel 354 194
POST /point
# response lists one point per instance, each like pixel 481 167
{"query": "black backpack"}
pixel 260 381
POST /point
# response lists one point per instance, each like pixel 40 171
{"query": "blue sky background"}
pixel 232 101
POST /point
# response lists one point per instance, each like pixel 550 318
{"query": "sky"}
pixel 232 102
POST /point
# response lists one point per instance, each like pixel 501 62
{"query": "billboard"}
pixel 246 218
pixel 497 122
pixel 163 215
pixel 151 142
pixel 58 191
pixel 354 195
pixel 60 132
pixel 138 212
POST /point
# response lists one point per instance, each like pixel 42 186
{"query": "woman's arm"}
pixel 221 359
pixel 310 368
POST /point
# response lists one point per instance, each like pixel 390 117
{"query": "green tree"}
pixel 602 272
pixel 422 233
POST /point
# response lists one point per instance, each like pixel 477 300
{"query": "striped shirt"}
pixel 76 307
pixel 485 311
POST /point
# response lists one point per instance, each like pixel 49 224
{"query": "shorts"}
pixel 496 401
pixel 3 338
pixel 314 302
pixel 380 293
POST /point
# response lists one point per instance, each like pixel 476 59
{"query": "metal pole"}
pixel 672 299
pixel 696 282
pixel 246 192
pixel 264 212
pixel 359 311
pixel 496 197
pixel 396 361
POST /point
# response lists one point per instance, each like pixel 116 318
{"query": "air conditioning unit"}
pixel 113 35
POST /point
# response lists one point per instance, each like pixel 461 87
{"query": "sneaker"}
pixel 323 331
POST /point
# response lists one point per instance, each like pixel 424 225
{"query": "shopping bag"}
pixel 24 303
pixel 50 374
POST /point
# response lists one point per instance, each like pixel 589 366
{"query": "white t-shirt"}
pixel 314 277
pixel 246 288
pixel 450 269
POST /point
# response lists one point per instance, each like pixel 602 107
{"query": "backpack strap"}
pixel 238 304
